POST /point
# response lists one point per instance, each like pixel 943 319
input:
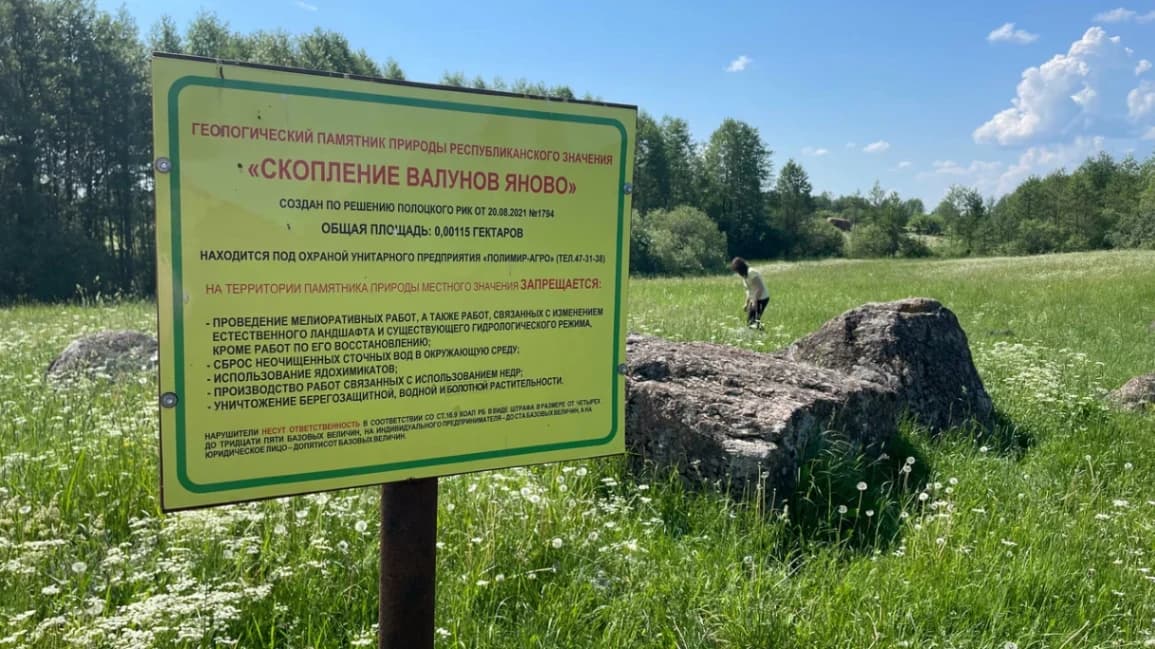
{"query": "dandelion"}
pixel 923 497
pixel 442 632
pixel 582 471
pixel 1102 517
pixel 450 507
pixel 593 537
pixel 1128 466
pixel 557 543
pixel 1119 502
pixel 79 567
pixel 909 461
pixel 842 509
pixel 984 449
pixel 1010 645
pixel 953 481
pixel 475 540
pixel 861 486
pixel 870 513
pixel 500 577
pixel 482 583
pixel 940 541
pixel 1008 543
pixel 360 527
pixel 50 591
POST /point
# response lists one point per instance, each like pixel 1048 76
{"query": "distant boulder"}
pixel 109 355
pixel 841 224
pixel 1136 395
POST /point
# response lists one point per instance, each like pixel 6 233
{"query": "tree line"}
pixel 76 204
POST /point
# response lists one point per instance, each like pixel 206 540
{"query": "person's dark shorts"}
pixel 754 314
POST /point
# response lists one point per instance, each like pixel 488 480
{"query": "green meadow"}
pixel 1041 534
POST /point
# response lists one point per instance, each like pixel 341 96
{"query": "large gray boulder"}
pixel 726 413
pixel 107 355
pixel 743 417
pixel 914 347
pixel 1136 395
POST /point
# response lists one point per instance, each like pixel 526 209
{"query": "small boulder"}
pixel 915 347
pixel 107 354
pixel 1136 395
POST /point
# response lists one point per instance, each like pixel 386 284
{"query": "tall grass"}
pixel 953 542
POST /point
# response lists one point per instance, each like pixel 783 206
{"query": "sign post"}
pixel 407 592
pixel 363 282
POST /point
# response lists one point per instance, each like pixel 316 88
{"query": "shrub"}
pixel 818 238
pixel 870 240
pixel 927 224
pixel 681 241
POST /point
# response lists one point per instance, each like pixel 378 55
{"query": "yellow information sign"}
pixel 362 282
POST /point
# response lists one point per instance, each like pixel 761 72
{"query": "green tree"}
pixel 965 214
pixel 794 204
pixel 651 166
pixel 684 162
pixel 1137 229
pixel 737 166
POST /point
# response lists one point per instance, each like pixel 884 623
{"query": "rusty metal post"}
pixel 408 564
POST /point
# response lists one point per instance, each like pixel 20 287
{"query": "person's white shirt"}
pixel 755 287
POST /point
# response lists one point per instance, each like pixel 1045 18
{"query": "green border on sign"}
pixel 178 290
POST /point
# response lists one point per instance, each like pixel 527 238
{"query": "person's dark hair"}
pixel 738 265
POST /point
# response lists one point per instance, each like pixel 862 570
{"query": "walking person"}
pixel 757 295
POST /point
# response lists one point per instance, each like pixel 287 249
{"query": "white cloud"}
pixel 739 64
pixel 1141 100
pixel 1069 94
pixel 1150 134
pixel 1122 15
pixel 996 178
pixel 305 5
pixel 1119 15
pixel 876 147
pixel 976 169
pixel 1143 66
pixel 1008 34
pixel 904 164
pixel 1041 160
pixel 809 150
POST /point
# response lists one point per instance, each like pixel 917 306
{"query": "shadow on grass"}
pixel 842 497
pixel 859 502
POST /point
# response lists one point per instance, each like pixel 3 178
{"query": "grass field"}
pixel 1046 544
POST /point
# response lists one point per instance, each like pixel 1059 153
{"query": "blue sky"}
pixel 916 95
